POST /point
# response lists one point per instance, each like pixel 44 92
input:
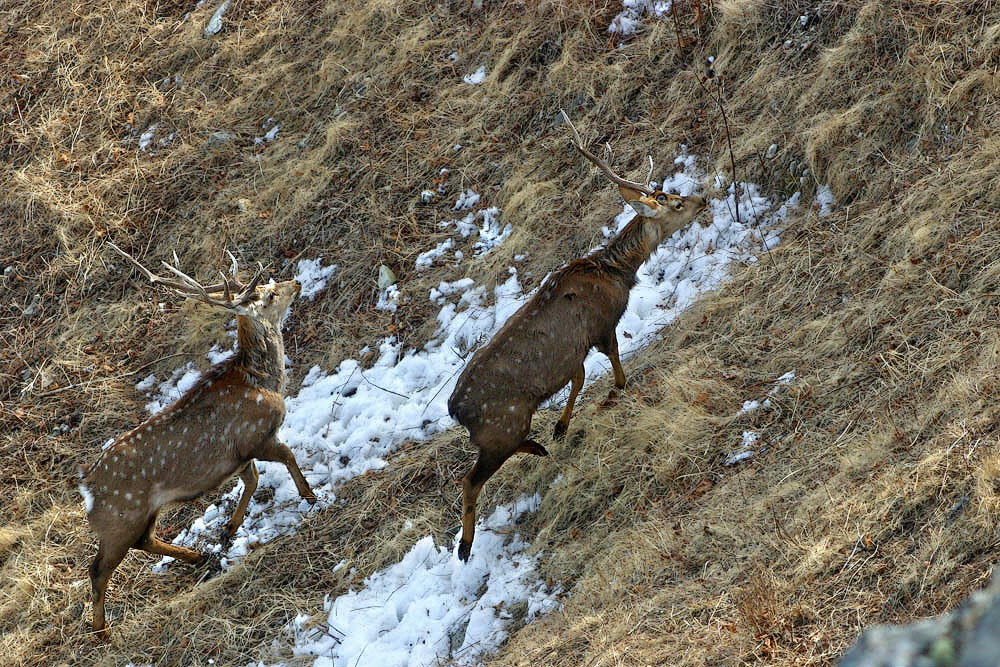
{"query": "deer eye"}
pixel 662 198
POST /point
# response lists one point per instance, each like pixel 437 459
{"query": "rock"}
pixel 385 277
pixel 219 138
pixel 966 637
pixel 772 150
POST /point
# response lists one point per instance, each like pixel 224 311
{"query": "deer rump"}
pixel 543 345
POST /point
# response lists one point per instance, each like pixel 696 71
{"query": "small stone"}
pixel 385 276
pixel 772 150
pixel 427 196
pixel 219 138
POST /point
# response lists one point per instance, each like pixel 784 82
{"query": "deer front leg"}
pixel 563 422
pixel 274 450
pixel 249 477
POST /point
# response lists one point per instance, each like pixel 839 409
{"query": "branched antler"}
pixel 603 166
pixel 188 286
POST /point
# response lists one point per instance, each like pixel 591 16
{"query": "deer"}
pixel 542 346
pixel 217 428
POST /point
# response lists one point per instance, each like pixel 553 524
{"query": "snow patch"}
pixel 476 77
pixel 466 200
pixel 825 200
pixel 630 19
pixel 313 276
pixel 426 259
pixel 414 611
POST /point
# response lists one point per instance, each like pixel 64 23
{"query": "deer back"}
pixel 187 449
pixel 543 344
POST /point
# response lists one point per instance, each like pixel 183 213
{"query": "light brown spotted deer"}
pixel 542 346
pixel 228 419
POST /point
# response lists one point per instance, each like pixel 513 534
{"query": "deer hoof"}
pixel 612 399
pixel 464 550
pixel 559 431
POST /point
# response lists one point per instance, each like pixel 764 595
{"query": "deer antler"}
pixel 603 166
pixel 190 287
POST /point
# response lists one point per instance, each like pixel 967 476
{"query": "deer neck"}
pixel 260 353
pixel 633 246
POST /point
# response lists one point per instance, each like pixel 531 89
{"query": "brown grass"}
pixel 877 497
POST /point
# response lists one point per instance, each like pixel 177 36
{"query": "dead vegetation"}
pixel 876 498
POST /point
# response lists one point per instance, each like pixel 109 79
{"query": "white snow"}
pixel 476 77
pixel 146 138
pixel 426 259
pixel 752 405
pixel 466 200
pixel 412 613
pixel 146 383
pixel 215 23
pixel 825 200
pixel 173 388
pixel 313 276
pixel 746 449
pixel 629 20
pixel 270 135
pixel 445 289
pixel 388 299
pixel 490 233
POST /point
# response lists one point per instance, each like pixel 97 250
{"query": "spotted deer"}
pixel 542 346
pixel 218 427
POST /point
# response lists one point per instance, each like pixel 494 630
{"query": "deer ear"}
pixel 642 209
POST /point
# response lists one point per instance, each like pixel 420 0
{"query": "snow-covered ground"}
pixel 430 606
pixel 344 422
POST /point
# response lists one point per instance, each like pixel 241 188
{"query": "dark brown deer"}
pixel 228 419
pixel 542 346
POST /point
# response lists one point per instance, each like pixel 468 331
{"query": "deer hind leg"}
pixel 273 450
pixel 609 347
pixel 531 447
pixel 563 423
pixel 151 544
pixel 487 464
pixel 249 477
pixel 107 559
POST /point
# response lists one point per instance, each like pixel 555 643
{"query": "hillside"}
pixel 808 441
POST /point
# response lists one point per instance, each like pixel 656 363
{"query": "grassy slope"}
pixel 885 311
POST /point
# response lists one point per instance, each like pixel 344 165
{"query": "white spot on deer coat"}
pixel 88 498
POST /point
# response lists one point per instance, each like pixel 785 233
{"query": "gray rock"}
pixel 966 637
pixel 219 138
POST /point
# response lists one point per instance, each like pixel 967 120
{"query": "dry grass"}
pixel 877 497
